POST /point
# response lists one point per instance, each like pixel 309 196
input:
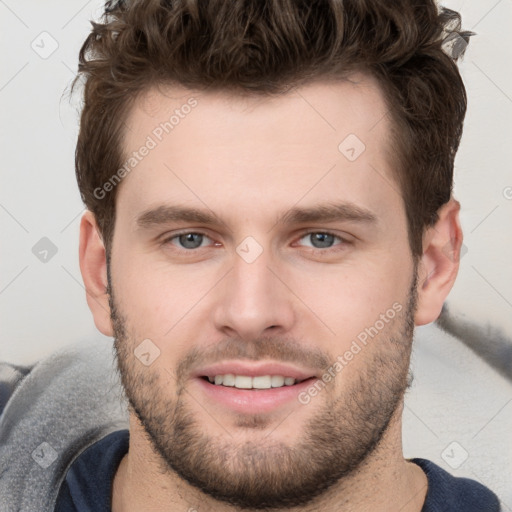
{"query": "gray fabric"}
pixel 63 405
pixel 10 376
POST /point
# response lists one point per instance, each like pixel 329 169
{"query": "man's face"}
pixel 260 294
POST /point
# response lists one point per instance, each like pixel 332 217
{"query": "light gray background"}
pixel 42 304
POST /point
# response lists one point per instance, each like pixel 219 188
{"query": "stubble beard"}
pixel 268 474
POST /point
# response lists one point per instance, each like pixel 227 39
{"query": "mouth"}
pixel 246 388
pixel 258 382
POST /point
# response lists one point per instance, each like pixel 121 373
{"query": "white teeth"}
pixel 228 380
pixel 277 381
pixel 243 382
pixel 247 382
pixel 263 382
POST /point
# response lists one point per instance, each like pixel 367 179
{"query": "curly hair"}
pixel 267 47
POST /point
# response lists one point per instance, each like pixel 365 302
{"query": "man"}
pixel 266 182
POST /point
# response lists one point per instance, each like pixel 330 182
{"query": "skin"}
pixel 249 160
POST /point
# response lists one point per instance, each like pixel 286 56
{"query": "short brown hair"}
pixel 268 47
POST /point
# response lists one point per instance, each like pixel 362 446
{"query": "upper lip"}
pixel 254 369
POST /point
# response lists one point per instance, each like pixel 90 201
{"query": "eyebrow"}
pixel 329 212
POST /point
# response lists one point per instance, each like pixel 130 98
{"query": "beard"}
pixel 261 473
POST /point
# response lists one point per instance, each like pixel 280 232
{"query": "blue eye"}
pixel 188 240
pixel 322 239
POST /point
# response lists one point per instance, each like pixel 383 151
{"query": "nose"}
pixel 253 299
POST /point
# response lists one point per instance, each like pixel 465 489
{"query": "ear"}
pixel 439 263
pixel 93 266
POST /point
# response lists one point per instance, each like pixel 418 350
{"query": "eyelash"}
pixel 314 250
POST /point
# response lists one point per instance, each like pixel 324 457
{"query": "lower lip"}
pixel 253 401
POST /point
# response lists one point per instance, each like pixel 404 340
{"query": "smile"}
pixel 248 382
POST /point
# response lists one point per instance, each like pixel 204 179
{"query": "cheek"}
pixel 349 299
pixel 156 296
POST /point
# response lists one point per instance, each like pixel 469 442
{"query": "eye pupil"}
pixel 325 240
pixel 189 240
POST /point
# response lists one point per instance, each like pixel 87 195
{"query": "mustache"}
pixel 277 349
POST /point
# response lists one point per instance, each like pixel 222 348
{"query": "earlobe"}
pixel 93 266
pixel 439 264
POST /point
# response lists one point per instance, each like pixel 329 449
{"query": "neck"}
pixel 385 482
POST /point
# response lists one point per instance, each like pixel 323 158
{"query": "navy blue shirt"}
pixel 88 483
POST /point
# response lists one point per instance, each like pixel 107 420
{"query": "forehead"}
pixel 325 140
